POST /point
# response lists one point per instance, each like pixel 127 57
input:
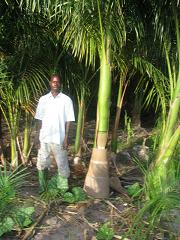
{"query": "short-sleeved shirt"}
pixel 54 113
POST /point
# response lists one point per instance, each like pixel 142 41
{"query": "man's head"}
pixel 55 83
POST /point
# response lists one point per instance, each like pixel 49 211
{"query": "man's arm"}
pixel 65 143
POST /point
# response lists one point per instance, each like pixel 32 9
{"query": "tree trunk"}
pixel 97 179
pixel 79 131
pixel 2 159
pixel 121 93
pixel 26 144
pixel 14 153
pixel 136 112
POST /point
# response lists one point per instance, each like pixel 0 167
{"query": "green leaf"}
pixel 134 190
pixel 50 194
pixel 69 197
pixel 79 194
pixel 6 225
pixel 52 183
pixel 105 232
pixel 24 216
pixel 27 210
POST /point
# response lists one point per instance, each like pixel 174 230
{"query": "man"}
pixel 54 112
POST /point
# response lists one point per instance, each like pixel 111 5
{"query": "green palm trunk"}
pixel 12 120
pixel 121 92
pixel 170 140
pixel 14 154
pixel 104 92
pixel 82 77
pixel 117 118
pixel 80 127
pixel 26 143
pixel 11 114
pixel 97 179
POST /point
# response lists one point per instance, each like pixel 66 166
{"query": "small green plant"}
pixel 10 183
pixel 54 193
pixel 105 232
pixel 134 190
pixel 128 127
pixel 154 139
pixel 20 217
pixel 77 194
pixel 13 216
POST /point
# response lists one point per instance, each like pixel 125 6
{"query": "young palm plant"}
pixel 121 92
pixel 23 78
pixel 83 80
pixel 14 96
pixel 125 74
pixel 11 112
pixel 162 178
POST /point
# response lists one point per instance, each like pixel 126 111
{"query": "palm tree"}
pixel 14 96
pixel 23 78
pixel 162 178
pixel 85 91
pixel 164 80
pixel 89 41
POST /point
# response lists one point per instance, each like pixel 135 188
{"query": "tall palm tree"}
pixel 99 26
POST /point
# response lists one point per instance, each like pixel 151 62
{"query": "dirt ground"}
pixel 80 221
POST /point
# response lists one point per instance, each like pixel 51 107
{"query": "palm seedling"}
pixel 10 110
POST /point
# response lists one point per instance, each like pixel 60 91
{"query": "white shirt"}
pixel 54 113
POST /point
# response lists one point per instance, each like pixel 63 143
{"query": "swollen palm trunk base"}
pixel 97 179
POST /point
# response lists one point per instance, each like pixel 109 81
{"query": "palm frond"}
pixel 11 182
pixel 156 87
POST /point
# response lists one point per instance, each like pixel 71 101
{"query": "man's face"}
pixel 55 83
